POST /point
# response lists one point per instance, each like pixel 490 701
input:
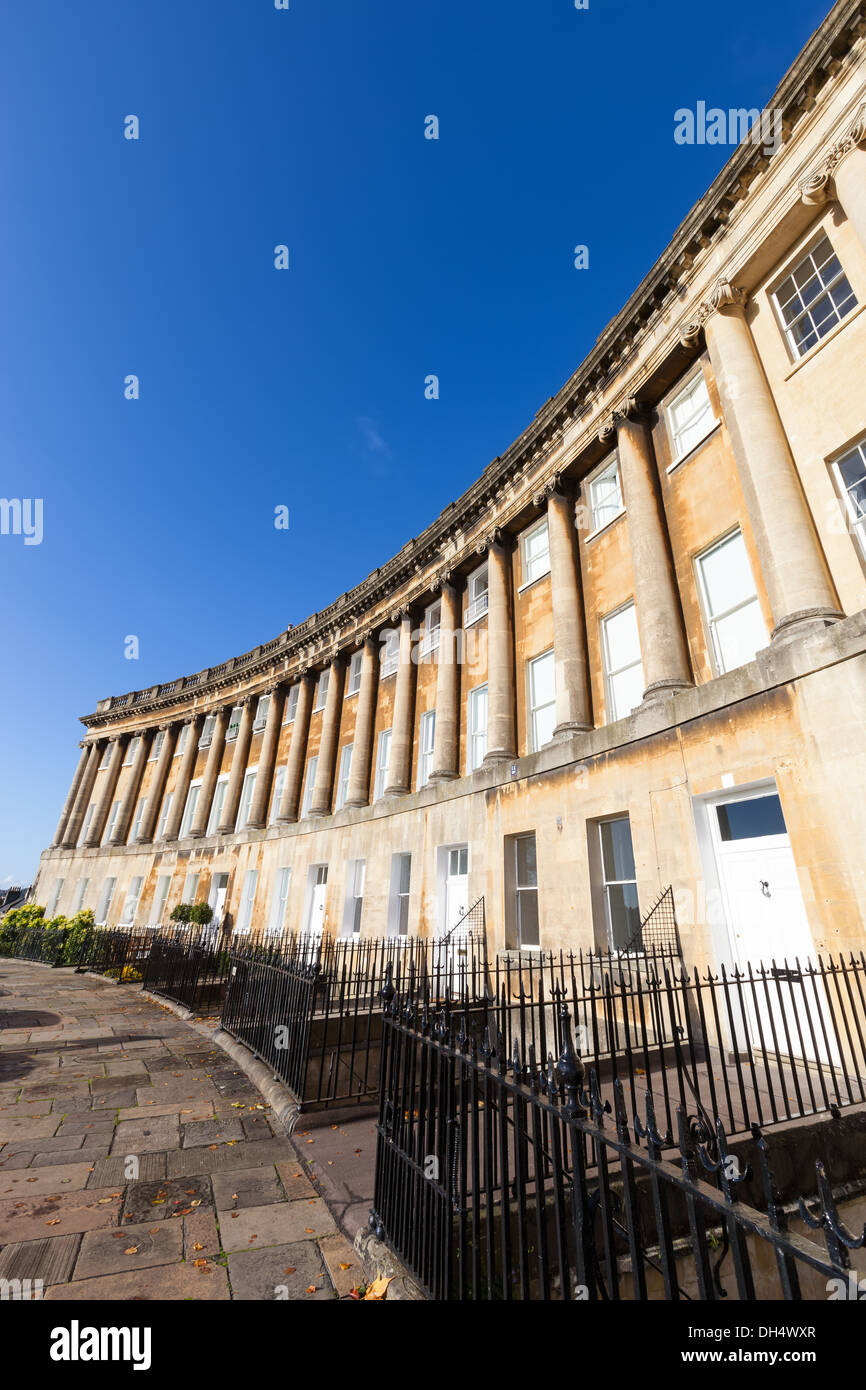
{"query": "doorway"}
pixel 767 926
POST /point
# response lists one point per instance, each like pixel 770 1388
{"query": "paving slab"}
pixel 62 1177
pixel 167 1197
pixel 146 1135
pixel 212 1132
pixel 115 1170
pixel 248 1187
pixel 23 1219
pixel 50 1260
pixel 295 1270
pixel 159 1284
pixel 136 1246
pixel 251 1228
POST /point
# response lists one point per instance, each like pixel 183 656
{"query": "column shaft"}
pixel 571 665
pixel 446 732
pixel 321 800
pixel 400 759
pixel 238 768
pixel 267 758
pixel 662 636
pixel 130 796
pixel 501 740
pixel 112 772
pixel 184 777
pixel 298 750
pixel 211 773
pixel 157 783
pixel 72 795
pixel 362 747
pixel 85 791
pixel 798 585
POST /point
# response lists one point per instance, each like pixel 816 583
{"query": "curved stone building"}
pixel 631 655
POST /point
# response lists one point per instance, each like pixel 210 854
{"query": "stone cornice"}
pixel 511 482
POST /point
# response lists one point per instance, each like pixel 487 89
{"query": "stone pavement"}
pixel 137 1162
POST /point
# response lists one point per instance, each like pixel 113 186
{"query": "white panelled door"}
pixel 767 923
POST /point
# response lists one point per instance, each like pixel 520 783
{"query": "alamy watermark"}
pixel 22 516
pixel 716 126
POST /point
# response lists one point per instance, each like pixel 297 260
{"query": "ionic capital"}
pixel 547 490
pixel 815 187
pixel 486 543
pixel 723 296
pixel 629 408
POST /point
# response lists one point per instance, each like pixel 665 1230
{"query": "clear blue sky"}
pixel 305 387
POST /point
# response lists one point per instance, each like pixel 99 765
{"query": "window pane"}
pixel 621 635
pixel 527 869
pixel 542 680
pixel 624 916
pixel 626 691
pixel 527 918
pixel 747 820
pixel 616 849
pixel 543 725
pixel 405 872
pixel 727 575
pixel 739 636
pixel 606 495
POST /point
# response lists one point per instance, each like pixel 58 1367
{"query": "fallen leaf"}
pixel 131 1250
pixel 377 1290
pixel 289 1270
pixel 198 1246
pixel 345 1266
pixel 55 1222
pixel 311 1288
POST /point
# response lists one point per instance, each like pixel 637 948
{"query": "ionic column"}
pixel 184 777
pixel 238 767
pixel 446 732
pixel 267 758
pixel 298 750
pixel 157 783
pixel 72 795
pixel 320 805
pixel 570 662
pixel 83 795
pixel 799 588
pixel 130 797
pixel 501 738
pixel 659 619
pixel 112 772
pixel 844 167
pixel 362 747
pixel 400 757
pixel 211 773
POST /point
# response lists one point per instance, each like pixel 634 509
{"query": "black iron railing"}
pixel 501 1177
pixel 754 1046
pixel 311 1008
pixel 189 967
pixel 120 953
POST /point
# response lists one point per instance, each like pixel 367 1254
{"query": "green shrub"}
pixel 15 923
pixel 181 913
pixel 201 914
